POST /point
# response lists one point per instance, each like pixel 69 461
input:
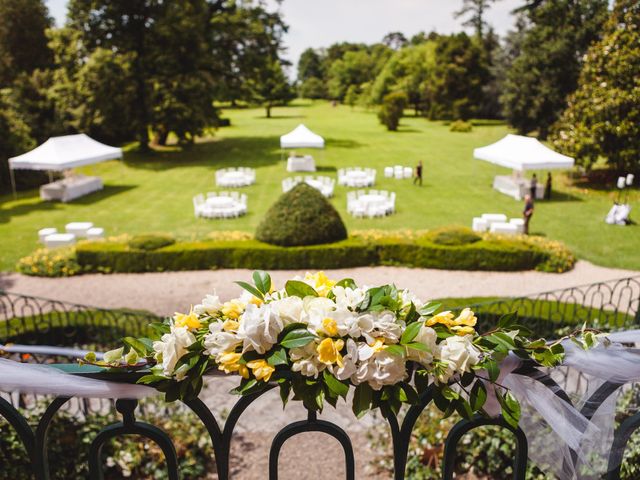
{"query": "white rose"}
pixel 172 347
pixel 305 360
pixel 381 369
pixel 427 336
pixel 386 325
pixel 210 305
pixel 361 325
pixel 320 306
pixel 259 328
pixel 460 353
pixel 349 362
pixel 219 341
pixel 348 298
pixel 407 296
pixel 289 309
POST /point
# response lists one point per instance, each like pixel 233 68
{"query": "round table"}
pixel 234 179
pixel 357 178
pixel 220 202
pixel 373 200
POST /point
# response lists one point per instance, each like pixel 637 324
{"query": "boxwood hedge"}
pixel 487 254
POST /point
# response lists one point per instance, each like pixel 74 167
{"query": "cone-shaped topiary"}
pixel 302 216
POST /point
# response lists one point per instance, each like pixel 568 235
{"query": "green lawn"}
pixel 153 192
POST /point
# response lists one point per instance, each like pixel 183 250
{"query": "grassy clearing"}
pixel 152 193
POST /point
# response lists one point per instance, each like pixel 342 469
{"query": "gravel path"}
pixel 163 293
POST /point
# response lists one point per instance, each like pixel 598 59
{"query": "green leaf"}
pixel 139 347
pixel 510 409
pixel 410 395
pixel 296 288
pixel 478 396
pixel 502 340
pixel 492 370
pixel 507 320
pixel 421 380
pixel 336 386
pixel 362 398
pixel 449 393
pixel 410 332
pixel 346 283
pixel 149 379
pixel 297 338
pixel 285 391
pixel 429 308
pixel 397 350
pixel 262 281
pixel 251 289
pixel 277 356
pixel 463 408
pixel 412 314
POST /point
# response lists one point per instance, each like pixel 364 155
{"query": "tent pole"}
pixel 13 183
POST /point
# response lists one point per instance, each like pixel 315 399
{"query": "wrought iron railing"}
pixel 614 305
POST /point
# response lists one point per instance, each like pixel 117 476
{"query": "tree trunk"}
pixel 268 108
pixel 160 137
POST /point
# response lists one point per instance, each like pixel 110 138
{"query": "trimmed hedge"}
pixel 487 254
pixel 301 217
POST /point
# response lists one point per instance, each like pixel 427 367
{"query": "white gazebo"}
pixel 64 153
pixel 521 153
pixel 301 137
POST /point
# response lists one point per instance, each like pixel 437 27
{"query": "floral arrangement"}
pixel 317 339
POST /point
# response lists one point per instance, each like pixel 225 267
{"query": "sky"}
pixel 319 23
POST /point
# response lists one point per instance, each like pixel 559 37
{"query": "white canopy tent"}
pixel 63 153
pixel 521 154
pixel 301 137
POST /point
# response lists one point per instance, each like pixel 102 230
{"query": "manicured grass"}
pixel 152 193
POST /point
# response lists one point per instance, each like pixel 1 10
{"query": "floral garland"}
pixel 317 338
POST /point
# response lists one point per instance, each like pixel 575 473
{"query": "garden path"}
pixel 165 292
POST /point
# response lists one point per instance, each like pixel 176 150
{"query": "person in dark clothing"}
pixel 547 187
pixel 527 212
pixel 418 177
pixel 534 186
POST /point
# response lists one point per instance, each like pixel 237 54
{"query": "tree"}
pixel 313 88
pixel 310 65
pixel 557 34
pixel 603 115
pixel 395 40
pixel 23 44
pixel 356 67
pixel 455 89
pixel 270 86
pixel 351 97
pixel 15 134
pixel 392 110
pixel 475 10
pixel 407 71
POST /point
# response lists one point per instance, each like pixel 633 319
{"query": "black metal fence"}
pixel 28 320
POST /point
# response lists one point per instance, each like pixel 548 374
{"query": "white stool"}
pixel 408 172
pixel 79 229
pixel 494 218
pixel 479 224
pixel 519 223
pixel 388 172
pixel 45 232
pixel 59 240
pixel 95 232
pixel 503 228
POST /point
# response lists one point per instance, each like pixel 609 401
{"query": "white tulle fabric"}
pixel 563 441
pixel 46 380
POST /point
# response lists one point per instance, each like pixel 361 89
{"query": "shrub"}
pixel 151 241
pixel 126 456
pixel 302 216
pixel 460 126
pixel 44 262
pixel 454 236
pixel 558 257
pixel 392 109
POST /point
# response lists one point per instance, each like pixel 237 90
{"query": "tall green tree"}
pixel 23 43
pixel 270 86
pixel 15 134
pixel 557 34
pixel 474 11
pixel 310 65
pixel 603 116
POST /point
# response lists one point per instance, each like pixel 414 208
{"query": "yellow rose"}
pixel 261 369
pixel 230 325
pixel 444 318
pixel 190 320
pixel 320 282
pixel 330 327
pixel 329 351
pixel 460 330
pixel 466 317
pixel 232 309
pixel 228 362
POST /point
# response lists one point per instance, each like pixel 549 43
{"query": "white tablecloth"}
pixel 373 200
pixel 234 179
pixel 516 187
pixel 218 202
pixel 357 178
pixel 301 164
pixel 70 188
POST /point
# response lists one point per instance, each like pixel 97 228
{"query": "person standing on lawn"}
pixel 547 187
pixel 534 186
pixel 418 176
pixel 527 213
